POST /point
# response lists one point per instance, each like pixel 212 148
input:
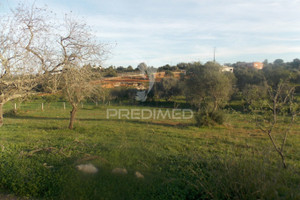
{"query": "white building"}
pixel 227 69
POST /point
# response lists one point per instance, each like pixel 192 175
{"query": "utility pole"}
pixel 214 54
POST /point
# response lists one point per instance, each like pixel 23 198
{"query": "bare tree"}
pixel 100 94
pixel 76 87
pixel 78 48
pixel 23 48
pixel 276 114
pixel 33 51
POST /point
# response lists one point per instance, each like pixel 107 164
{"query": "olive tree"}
pixel 207 85
pixel 208 89
pixel 251 93
pixel 168 88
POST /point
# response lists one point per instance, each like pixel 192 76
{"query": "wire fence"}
pixel 42 106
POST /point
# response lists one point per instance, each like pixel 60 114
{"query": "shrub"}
pixel 209 119
pixel 123 93
pixel 110 73
pixel 168 88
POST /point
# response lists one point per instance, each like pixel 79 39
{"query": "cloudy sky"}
pixel 162 32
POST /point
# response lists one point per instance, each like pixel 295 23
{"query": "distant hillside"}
pixel 138 81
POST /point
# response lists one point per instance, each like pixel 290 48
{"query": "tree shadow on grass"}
pixel 158 123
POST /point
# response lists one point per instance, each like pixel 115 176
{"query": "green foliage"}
pixel 209 119
pixel 168 88
pixel 168 73
pixel 250 95
pixel 123 93
pixel 276 74
pixel 278 62
pixel 296 64
pixel 110 72
pixel 167 68
pixel 248 76
pixel 208 87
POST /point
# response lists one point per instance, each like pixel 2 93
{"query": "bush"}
pixel 168 88
pixel 12 113
pixel 209 119
pixel 168 73
pixel 123 93
pixel 110 73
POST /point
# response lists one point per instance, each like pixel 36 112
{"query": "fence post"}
pixel 42 106
pixel 15 106
pixel 64 105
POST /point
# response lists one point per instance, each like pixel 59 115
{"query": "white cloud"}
pixel 162 32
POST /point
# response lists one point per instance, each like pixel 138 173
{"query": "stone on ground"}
pixel 119 171
pixel 139 174
pixel 87 168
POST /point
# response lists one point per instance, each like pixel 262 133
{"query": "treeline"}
pixel 209 90
pixel 278 63
pixel 204 87
pixel 113 71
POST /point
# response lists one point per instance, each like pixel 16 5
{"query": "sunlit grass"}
pixel 178 161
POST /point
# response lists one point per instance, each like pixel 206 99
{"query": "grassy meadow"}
pixel 178 160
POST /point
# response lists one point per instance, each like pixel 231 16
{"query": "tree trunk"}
pixel 215 106
pixel 72 116
pixel 1 114
pixel 283 160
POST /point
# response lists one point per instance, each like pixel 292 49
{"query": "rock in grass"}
pixel 119 171
pixel 47 166
pixel 139 174
pixel 87 168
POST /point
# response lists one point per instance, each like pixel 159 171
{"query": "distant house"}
pixel 227 69
pixel 257 65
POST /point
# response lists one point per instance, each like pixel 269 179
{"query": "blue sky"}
pixel 168 32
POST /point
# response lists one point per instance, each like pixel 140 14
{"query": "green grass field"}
pixel 39 156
